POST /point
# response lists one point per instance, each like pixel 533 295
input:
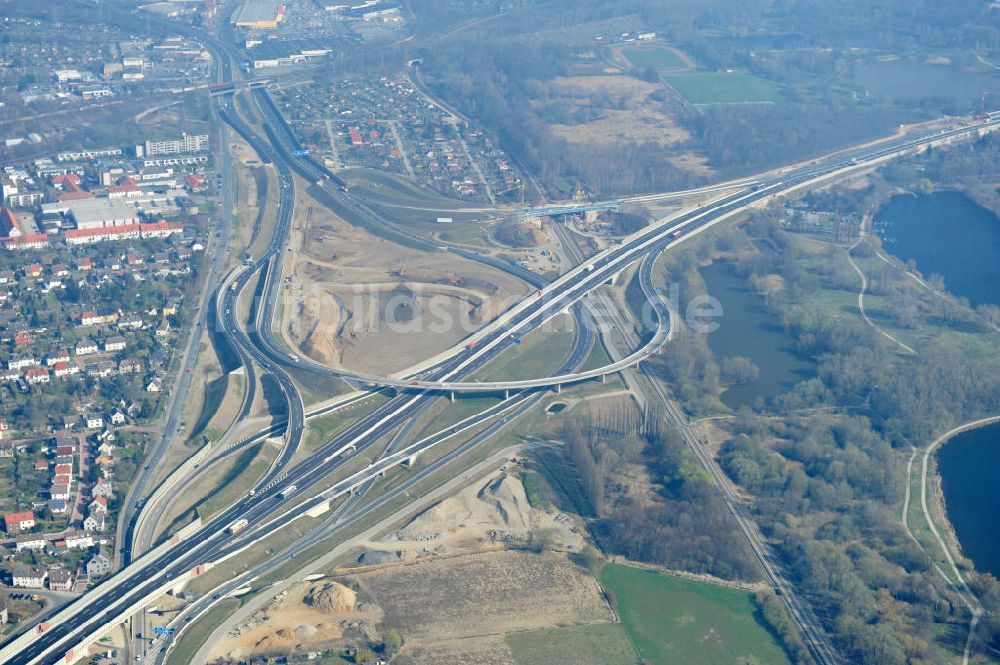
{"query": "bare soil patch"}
pixel 308 617
pixel 492 510
pixel 354 300
pixel 482 594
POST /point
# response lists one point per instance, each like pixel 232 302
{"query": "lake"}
pixel 949 234
pixel 967 465
pixel 898 80
pixel 746 328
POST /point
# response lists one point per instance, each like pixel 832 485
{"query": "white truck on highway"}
pixel 237 526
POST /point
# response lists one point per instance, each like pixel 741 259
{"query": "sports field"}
pixel 706 88
pixel 676 620
pixel 658 58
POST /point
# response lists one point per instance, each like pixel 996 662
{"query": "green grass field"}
pixel 659 58
pixel 707 88
pixel 675 620
pixel 192 639
pixel 597 644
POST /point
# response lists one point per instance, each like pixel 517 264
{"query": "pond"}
pixel 967 464
pixel 899 80
pixel 949 234
pixel 746 328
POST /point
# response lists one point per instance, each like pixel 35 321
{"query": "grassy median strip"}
pixel 195 636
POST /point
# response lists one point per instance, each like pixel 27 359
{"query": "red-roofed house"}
pixel 194 182
pixel 22 339
pixel 160 229
pixel 64 469
pixel 17 522
pixel 74 196
pixel 37 375
pixel 87 236
pixel 126 188
pixel 68 181
pixel 9 228
pixel 35 241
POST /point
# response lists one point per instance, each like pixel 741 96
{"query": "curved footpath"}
pixel 957 583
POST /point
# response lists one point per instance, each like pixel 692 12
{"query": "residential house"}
pixel 86 348
pixel 131 323
pixel 98 566
pixel 130 366
pixel 64 470
pixel 21 362
pixel 56 358
pixel 58 506
pixel 63 369
pixel 103 488
pixel 28 577
pixel 94 421
pixel 79 541
pixel 60 579
pixel 94 523
pixel 30 542
pixel 103 369
pixel 61 492
pixel 153 386
pixel 115 344
pixel 117 418
pixel 37 376
pixel 18 522
pixel 99 506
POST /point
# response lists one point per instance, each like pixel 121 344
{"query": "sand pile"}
pixel 332 598
pixel 497 505
pixel 506 495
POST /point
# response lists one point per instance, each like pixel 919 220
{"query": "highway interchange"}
pixel 278 497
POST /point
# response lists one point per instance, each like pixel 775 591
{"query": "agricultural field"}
pixel 707 88
pixel 675 620
pixel 597 644
pixel 656 57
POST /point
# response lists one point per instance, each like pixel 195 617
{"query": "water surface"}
pixel 746 328
pixel 967 464
pixel 949 234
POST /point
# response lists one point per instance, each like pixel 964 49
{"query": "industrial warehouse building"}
pixel 90 214
pixel 259 14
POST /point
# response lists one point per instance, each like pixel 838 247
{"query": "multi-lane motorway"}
pixel 93 613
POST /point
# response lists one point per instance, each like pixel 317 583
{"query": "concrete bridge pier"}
pixel 604 378
pixel 451 395
pixel 506 394
pixel 558 389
